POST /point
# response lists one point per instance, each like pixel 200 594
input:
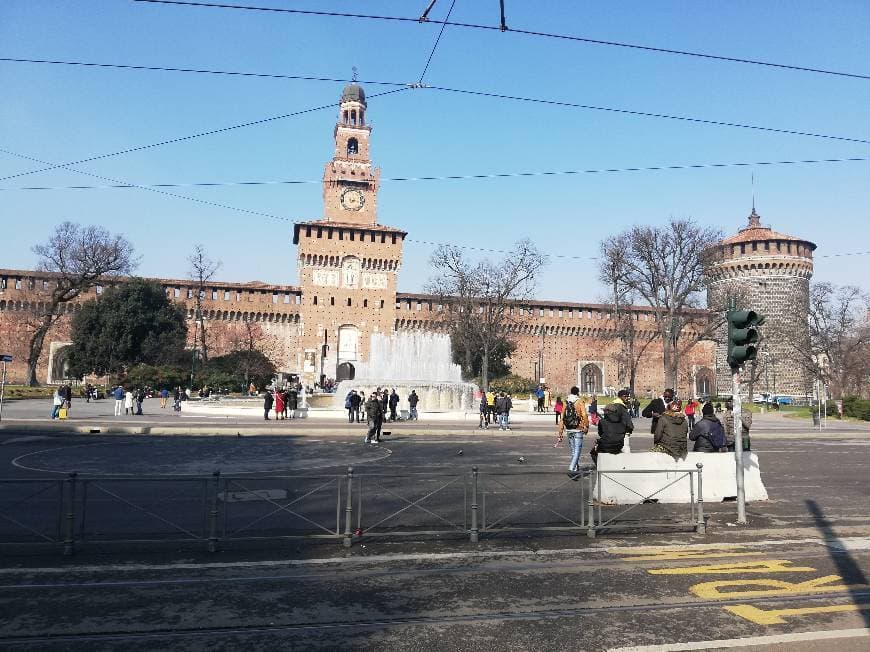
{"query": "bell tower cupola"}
pixel 350 185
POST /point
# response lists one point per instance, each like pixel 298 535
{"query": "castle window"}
pixel 3 282
pixel 351 235
pixel 314 302
pixel 226 295
pixel 348 303
pixel 18 284
pixel 307 231
pixel 45 285
pixel 238 296
pixel 353 117
pixel 176 293
pixel 331 301
pixel 329 234
pixel 341 234
pixel 382 303
pixel 352 147
pixel 398 305
pixel 420 306
pixel 540 312
pixel 214 295
pixel 365 303
pixel 767 246
pixel 754 246
pixel 383 238
pixel 190 293
pixel 394 238
pixel 319 232
pixel 274 298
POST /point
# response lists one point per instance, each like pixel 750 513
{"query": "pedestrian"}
pixel 128 402
pixel 484 413
pixel 614 425
pixel 502 410
pixel 279 404
pixel 176 399
pixel 558 409
pixel 375 412
pixel 140 398
pixel 745 425
pixel 574 424
pixel 252 389
pixel 690 412
pixel 385 401
pixel 671 431
pixel 164 395
pixel 118 395
pixel 57 403
pixel 353 409
pixel 268 400
pixel 347 405
pixel 286 395
pixel 413 399
pixel 394 403
pixel 709 433
pixel 362 408
pixel 291 403
pixel 490 407
pixel 539 393
pixel 657 407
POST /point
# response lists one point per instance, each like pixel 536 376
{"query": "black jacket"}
pixel 701 435
pixel 615 423
pixel 413 399
pixel 658 406
pixel 268 399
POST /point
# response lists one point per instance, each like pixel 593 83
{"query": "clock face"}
pixel 352 199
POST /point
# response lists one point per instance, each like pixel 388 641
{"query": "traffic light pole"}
pixel 738 443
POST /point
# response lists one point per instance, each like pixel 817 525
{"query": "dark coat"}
pixel 658 406
pixel 615 423
pixel 671 434
pixel 413 399
pixel 268 400
pixel 374 409
pixel 701 435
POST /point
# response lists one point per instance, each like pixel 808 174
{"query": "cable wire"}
pixel 180 139
pixel 503 28
pixel 437 41
pixel 461 177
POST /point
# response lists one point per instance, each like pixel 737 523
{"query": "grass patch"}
pixel 23 391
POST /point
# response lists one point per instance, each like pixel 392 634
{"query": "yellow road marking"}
pixel 760 566
pixel 710 590
pixel 778 616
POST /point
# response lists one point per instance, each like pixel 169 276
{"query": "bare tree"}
pixel 480 295
pixel 839 337
pixel 666 267
pixel 202 270
pixel 79 256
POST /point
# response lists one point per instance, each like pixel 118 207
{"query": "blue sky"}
pixel 62 113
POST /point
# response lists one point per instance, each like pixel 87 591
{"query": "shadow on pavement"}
pixel 847 566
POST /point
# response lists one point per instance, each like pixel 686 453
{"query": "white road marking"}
pixel 774 639
pixel 289 563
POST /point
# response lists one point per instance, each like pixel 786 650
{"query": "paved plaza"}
pixel 142 577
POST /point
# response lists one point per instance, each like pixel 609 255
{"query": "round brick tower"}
pixel 770 273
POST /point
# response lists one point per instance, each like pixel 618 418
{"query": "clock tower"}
pixel 350 186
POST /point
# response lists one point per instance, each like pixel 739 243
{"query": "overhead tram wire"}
pixel 180 139
pixel 290 221
pixel 405 86
pixel 462 177
pixel 437 40
pixel 526 32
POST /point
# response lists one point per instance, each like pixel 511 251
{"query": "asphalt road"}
pixel 776 577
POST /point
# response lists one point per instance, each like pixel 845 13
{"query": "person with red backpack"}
pixel 574 424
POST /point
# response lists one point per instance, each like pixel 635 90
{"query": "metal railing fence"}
pixel 211 510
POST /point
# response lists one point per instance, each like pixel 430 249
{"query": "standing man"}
pixel 413 399
pixel 745 425
pixel 539 394
pixel 690 412
pixel 375 412
pixel 657 407
pixel 140 398
pixel 394 403
pixel 484 414
pixel 501 410
pixel 164 394
pixel 292 402
pixel 118 395
pixel 574 423
pixel 490 407
pixel 267 404
pixel 355 400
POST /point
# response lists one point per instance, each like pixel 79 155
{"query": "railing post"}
pixel 69 542
pixel 474 530
pixel 590 522
pixel 701 527
pixel 348 509
pixel 213 514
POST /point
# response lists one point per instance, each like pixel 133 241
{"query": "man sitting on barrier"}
pixel 671 431
pixel 613 426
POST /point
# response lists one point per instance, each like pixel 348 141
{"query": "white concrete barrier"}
pixel 719 477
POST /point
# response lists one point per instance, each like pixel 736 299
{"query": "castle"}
pixel 348 266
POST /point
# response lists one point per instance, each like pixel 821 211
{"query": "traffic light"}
pixel 742 336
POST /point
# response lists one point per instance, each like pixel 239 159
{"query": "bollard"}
pixel 590 522
pixel 701 528
pixel 348 510
pixel 474 530
pixel 213 514
pixel 69 542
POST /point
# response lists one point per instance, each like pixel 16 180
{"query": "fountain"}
pixel 420 361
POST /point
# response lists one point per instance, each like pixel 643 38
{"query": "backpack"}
pixel 717 436
pixel 571 419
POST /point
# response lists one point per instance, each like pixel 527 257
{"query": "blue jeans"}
pixel 575 441
pixel 503 421
pixel 412 413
